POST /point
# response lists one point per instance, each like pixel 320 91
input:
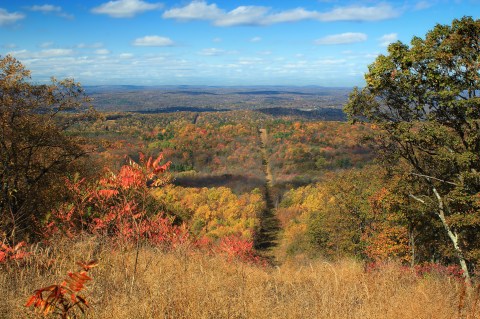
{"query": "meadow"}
pixel 183 283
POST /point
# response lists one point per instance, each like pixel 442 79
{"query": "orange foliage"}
pixel 385 241
pixel 305 150
pixel 63 299
pixel 387 236
pixel 351 214
pixel 8 253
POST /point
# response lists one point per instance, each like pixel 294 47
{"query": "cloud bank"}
pixel 125 8
pixel 262 16
pixel 9 17
pixel 153 41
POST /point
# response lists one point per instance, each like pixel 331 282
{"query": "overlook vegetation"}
pixel 248 213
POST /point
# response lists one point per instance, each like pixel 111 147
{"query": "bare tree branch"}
pixel 434 178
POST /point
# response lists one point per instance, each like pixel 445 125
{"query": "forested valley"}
pixel 248 212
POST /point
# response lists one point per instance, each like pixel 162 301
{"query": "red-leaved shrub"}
pixel 63 300
pixel 8 253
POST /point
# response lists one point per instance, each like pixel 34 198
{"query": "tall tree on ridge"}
pixel 425 99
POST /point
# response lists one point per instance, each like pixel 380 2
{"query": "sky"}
pixel 214 42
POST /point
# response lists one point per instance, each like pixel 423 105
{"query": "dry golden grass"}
pixel 193 285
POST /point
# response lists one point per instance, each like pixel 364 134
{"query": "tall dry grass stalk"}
pixel 181 284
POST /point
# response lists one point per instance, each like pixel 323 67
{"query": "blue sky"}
pixel 214 42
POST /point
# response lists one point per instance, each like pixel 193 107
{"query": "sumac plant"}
pixel 63 300
pixel 9 253
pixel 237 248
pixel 118 205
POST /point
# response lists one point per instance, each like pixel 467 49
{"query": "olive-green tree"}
pixel 35 153
pixel 425 99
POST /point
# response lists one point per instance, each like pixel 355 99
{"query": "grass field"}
pixel 186 284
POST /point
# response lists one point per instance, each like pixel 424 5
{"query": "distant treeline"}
pixel 326 114
pixel 179 109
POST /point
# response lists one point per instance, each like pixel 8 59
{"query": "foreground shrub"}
pixel 237 248
pixel 118 205
pixel 8 253
pixel 63 300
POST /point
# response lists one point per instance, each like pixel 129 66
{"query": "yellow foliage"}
pixel 214 212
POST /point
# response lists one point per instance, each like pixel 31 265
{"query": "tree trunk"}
pixel 453 235
pixel 411 237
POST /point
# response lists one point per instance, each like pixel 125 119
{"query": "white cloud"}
pixel 256 39
pixel 153 41
pixel 212 52
pixel 216 40
pixel 125 8
pixel 126 55
pixel 66 15
pixel 261 16
pixel 329 62
pixel 361 13
pixel 102 51
pixel 216 52
pixel 422 5
pixel 196 10
pixel 386 39
pixel 43 54
pixel 49 8
pixel 9 46
pixel 243 15
pixel 9 17
pixel 95 45
pixel 125 68
pixel 291 16
pixel 45 8
pixel 343 38
pixel 249 61
pixel 371 55
pixel 55 53
pixel 20 54
pixel 45 45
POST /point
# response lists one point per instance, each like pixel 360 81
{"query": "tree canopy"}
pixel 35 152
pixel 424 98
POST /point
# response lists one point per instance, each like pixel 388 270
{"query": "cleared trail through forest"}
pixel 267 237
pixel 195 119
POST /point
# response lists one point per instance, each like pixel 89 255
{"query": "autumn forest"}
pixel 258 205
